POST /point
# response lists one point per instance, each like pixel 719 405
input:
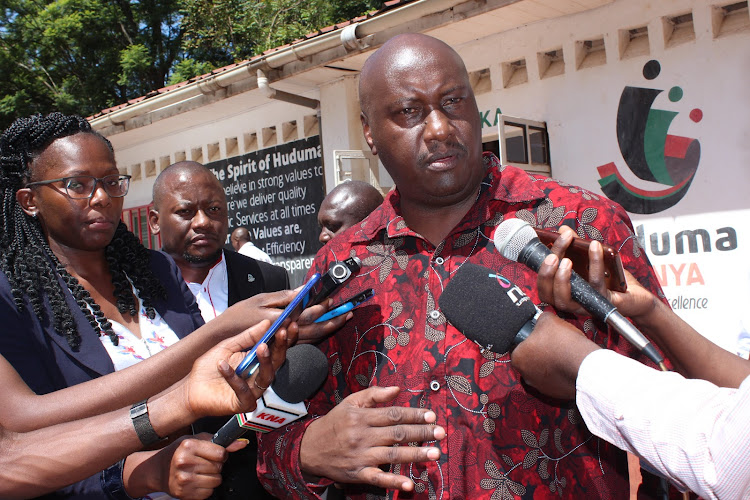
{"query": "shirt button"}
pixel 435 385
pixel 435 314
pixel 439 261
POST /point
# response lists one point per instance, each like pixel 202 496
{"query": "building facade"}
pixel 644 102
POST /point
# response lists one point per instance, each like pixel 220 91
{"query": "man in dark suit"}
pixel 190 214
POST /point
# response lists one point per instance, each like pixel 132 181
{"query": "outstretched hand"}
pixel 270 305
pixel 553 281
pixel 213 388
pixel 350 443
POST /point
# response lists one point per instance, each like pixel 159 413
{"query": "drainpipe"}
pixel 280 95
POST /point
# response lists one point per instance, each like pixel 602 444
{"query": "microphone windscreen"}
pixel 302 373
pixel 486 307
pixel 511 236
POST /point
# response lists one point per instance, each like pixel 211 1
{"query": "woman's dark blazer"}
pixel 47 363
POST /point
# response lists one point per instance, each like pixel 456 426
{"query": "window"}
pixel 136 219
pixel 521 143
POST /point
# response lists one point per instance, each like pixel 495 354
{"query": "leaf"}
pixel 460 384
pixel 529 438
pixel 486 369
pixel 530 459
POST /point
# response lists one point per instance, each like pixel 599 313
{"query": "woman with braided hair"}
pixel 80 299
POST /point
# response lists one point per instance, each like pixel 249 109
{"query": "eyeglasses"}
pixel 81 187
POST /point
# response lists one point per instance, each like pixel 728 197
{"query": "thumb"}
pixel 237 445
pixel 248 338
pixel 373 396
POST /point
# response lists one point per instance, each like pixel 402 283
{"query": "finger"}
pixel 384 434
pixel 279 299
pixel 405 454
pixel 561 287
pixel 237 445
pixel 596 267
pixel 213 455
pixel 385 480
pixel 278 352
pixel 292 334
pixel 245 395
pixel 310 314
pixel 372 396
pixel 315 332
pixel 562 242
pixel 545 280
pixel 263 376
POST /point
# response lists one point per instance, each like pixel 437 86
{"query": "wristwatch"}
pixel 142 424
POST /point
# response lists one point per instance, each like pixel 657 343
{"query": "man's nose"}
pixel 201 219
pixel 325 235
pixel 437 126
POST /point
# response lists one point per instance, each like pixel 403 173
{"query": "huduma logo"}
pixel 649 151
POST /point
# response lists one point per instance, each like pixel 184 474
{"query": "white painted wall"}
pixel 579 108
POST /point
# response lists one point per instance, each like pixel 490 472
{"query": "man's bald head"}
pixel 239 237
pixel 180 172
pixel 400 52
pixel 346 204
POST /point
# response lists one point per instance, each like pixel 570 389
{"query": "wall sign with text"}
pixel 275 193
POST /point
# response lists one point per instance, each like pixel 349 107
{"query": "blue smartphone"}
pixel 250 364
pixel 347 306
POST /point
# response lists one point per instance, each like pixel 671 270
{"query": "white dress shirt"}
pixel 694 433
pixel 156 335
pixel 212 295
pixel 250 250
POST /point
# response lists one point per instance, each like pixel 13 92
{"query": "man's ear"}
pixel 368 136
pixel 153 220
pixel 25 197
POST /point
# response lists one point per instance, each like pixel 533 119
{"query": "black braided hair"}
pixel 27 260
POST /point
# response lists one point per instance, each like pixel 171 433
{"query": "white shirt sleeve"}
pixel 694 433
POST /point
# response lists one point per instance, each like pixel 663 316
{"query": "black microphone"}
pixel 516 240
pixel 510 318
pixel 302 373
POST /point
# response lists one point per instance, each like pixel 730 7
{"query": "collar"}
pixel 503 183
pixel 216 275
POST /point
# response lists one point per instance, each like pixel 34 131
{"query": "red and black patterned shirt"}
pixel 503 439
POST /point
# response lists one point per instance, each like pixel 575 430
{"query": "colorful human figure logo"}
pixel 649 151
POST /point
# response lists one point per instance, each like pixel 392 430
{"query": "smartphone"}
pixel 347 305
pixel 337 274
pixel 250 364
pixel 578 253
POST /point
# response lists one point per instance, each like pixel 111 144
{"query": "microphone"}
pixel 516 240
pixel 509 320
pixel 302 373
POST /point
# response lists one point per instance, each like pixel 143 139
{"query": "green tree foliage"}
pixel 82 56
pixel 224 31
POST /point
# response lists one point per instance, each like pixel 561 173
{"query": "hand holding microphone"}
pixel 299 377
pixel 548 350
pixel 517 241
pixel 554 286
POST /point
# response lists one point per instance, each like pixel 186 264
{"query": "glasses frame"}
pixel 97 180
